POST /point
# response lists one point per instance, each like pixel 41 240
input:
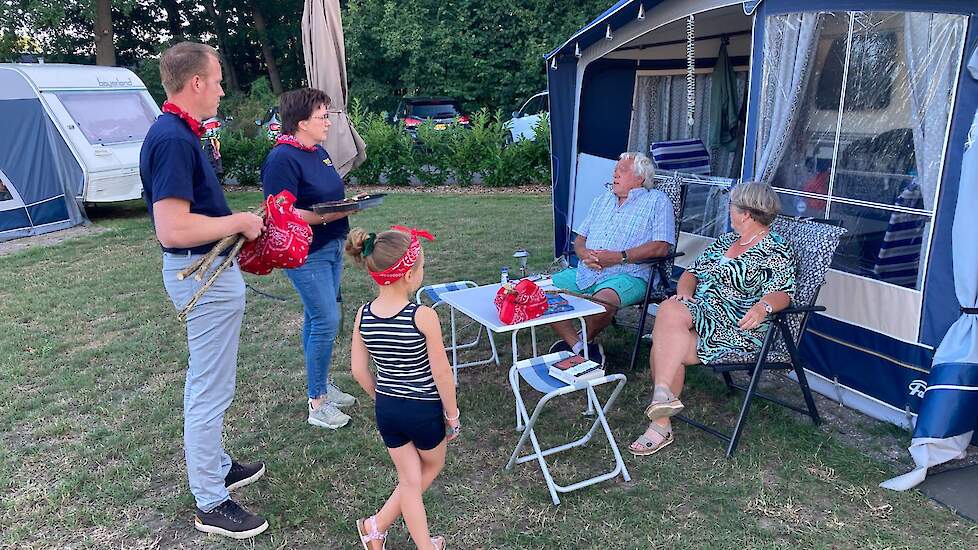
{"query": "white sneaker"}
pixel 338 397
pixel 327 416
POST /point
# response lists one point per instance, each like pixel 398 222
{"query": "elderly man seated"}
pixel 630 223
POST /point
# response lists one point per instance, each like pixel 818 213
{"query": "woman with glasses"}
pixel 721 305
pixel 299 164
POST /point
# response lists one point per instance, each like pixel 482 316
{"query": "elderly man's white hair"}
pixel 642 167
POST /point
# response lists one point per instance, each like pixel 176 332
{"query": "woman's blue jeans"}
pixel 318 282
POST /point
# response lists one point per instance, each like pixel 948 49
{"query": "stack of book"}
pixel 576 369
pixel 557 304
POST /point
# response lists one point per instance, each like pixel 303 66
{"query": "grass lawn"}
pixel 92 362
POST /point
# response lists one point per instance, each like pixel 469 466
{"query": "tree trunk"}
pixel 104 47
pixel 221 29
pixel 266 49
pixel 173 20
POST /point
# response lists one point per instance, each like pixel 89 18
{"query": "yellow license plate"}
pixel 440 126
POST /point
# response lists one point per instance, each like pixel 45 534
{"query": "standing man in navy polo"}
pixel 189 213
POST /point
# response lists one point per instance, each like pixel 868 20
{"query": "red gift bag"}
pixel 285 242
pixel 523 302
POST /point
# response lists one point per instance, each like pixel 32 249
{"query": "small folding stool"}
pixel 433 294
pixel 534 371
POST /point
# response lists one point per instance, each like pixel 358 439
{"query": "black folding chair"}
pixel 814 243
pixel 660 282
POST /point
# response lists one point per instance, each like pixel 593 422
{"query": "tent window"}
pixel 5 194
pixel 854 114
pixel 109 117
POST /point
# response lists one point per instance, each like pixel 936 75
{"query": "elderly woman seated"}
pixel 721 305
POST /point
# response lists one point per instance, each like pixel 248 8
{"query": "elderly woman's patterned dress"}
pixel 728 287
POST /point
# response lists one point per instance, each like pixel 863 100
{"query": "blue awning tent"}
pixel 854 110
pixel 40 179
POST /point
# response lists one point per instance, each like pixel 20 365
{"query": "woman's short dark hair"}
pixel 297 105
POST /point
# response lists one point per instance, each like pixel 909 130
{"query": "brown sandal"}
pixel 664 409
pixel 648 446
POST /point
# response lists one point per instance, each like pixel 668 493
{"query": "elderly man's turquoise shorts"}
pixel 630 290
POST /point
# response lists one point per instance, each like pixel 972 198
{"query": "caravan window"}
pixel 109 117
pixel 853 122
pixel 870 82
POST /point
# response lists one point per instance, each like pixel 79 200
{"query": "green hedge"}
pixel 482 150
pixel 242 156
pixel 456 152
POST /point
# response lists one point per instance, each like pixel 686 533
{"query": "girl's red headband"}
pixel 407 261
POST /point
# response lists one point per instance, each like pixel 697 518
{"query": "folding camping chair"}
pixel 660 284
pixel 534 371
pixel 688 156
pixel 814 243
pixel 433 294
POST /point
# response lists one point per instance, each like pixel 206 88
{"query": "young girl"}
pixel 414 390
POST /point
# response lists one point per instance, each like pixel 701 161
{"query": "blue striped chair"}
pixel 682 155
pixel 898 260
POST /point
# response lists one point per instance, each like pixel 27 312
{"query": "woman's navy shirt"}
pixel 311 177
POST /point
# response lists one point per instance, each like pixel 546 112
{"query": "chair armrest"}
pixel 658 259
pixel 796 310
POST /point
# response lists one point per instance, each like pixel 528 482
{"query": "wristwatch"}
pixel 624 257
pixel 767 307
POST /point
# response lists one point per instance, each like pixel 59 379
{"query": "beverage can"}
pixel 504 275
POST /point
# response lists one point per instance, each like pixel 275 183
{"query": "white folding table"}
pixel 477 303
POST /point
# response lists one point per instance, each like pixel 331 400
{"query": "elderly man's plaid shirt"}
pixel 646 215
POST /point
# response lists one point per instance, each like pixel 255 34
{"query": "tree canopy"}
pixel 487 54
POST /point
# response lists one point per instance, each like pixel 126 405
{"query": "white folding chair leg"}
pixel 540 454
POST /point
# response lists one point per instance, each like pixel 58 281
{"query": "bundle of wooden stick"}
pixel 200 268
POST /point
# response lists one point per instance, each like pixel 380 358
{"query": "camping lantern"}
pixel 521 254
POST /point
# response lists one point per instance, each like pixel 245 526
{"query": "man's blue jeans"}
pixel 318 282
pixel 213 328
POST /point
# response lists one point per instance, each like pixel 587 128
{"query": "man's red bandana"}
pixel 407 261
pixel 195 126
pixel 288 139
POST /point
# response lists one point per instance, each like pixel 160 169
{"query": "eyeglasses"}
pixel 325 117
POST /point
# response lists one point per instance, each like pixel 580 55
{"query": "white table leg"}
pixel 454 346
pixel 590 407
pixel 513 373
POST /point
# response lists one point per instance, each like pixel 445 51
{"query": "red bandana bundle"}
pixel 521 302
pixel 407 261
pixel 195 126
pixel 288 139
pixel 285 241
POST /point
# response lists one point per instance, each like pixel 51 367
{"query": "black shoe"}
pixel 559 345
pixel 595 353
pixel 242 474
pixel 230 520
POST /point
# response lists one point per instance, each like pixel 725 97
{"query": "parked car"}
pixel 443 111
pixel 271 124
pixel 527 117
